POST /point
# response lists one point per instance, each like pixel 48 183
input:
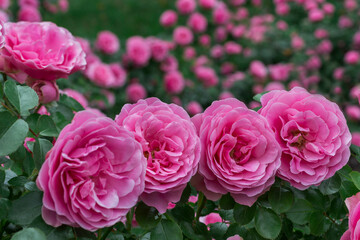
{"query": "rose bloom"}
pixel 93 175
pixel 312 133
pixel 353 205
pixel 207 76
pixel 51 51
pixel 194 108
pixel 170 144
pixel 4 4
pixel 135 92
pixel 207 4
pixel 107 42
pixel 197 22
pixel 47 91
pixel 258 70
pixel 101 74
pixel 182 35
pixel 221 14
pixel 159 49
pixel 77 96
pixel 168 18
pixel 352 57
pixel 239 152
pixel 185 6
pixel 29 13
pixel 279 72
pixel 174 82
pixel 170 63
pixel 138 50
pixel 232 48
pixel 356 138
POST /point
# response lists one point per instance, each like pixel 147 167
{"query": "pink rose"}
pixel 232 48
pixel 239 152
pixel 33 3
pixel 207 76
pixel 316 15
pixel 205 40
pixel 138 50
pixel 258 70
pixel 135 92
pixel 85 44
pixel 353 112
pixel 47 91
pixel 211 218
pixel 182 35
pixel 40 50
pixel 221 15
pixel 4 4
pixel 29 13
pixel 93 175
pixel 207 4
pixel 101 74
pixel 352 57
pixel 119 74
pixel 107 42
pixel 352 203
pixel 185 6
pixel 356 138
pixel 77 96
pixel 279 72
pixel 170 63
pixel 170 144
pixel 297 42
pixel 159 49
pixel 174 82
pixel 225 95
pixel 197 22
pixel 168 18
pixel 194 108
pixel 312 133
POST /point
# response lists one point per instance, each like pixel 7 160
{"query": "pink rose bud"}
pixel 211 218
pixel 100 74
pixel 207 4
pixel 282 25
pixel 119 75
pixel 297 42
pixel 241 13
pixel 279 72
pixel 355 92
pixel 282 9
pixel 182 35
pixel 174 82
pixel 168 18
pixel 99 161
pixel 316 15
pixel 170 144
pixel 29 14
pixel 321 33
pixel 337 90
pixel 194 108
pixel 232 48
pixel 217 51
pixel 107 42
pixel 345 22
pixel 350 5
pixel 138 50
pixel 352 57
pixel 239 152
pixel 339 73
pixel 47 91
pixel 135 92
pixel 301 121
pixel 63 5
pixel 29 53
pixel 197 22
pixel 159 49
pixel 185 6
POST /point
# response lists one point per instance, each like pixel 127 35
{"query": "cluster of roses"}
pixel 99 168
pixel 213 35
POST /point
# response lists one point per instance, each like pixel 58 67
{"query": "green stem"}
pixel 74 232
pixel 106 233
pixel 332 220
pixel 4 77
pixel 200 206
pixel 129 218
pixel 169 217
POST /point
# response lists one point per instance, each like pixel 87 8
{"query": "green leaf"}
pixel 183 213
pixel 235 229
pixel 12 133
pixel 244 214
pixel 147 217
pixel 25 209
pixel 166 230
pixel 46 127
pixel 4 208
pixel 23 98
pixel 18 181
pixel 197 232
pixel 71 103
pixel 227 202
pixel 318 223
pixel 41 148
pixel 355 176
pixel 227 215
pixel 185 195
pixel 331 185
pixel 300 212
pixel 348 189
pixel 355 150
pixel 218 230
pixel 280 199
pixel 257 97
pixel 29 234
pixel 267 223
